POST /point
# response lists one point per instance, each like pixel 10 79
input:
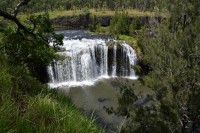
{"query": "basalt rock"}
pixel 102 99
pixel 81 21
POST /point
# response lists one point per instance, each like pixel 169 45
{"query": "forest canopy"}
pixel 173 60
pixel 44 5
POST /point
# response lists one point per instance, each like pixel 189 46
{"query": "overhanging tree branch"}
pixel 21 27
pixel 14 18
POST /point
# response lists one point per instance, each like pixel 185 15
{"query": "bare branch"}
pixel 23 3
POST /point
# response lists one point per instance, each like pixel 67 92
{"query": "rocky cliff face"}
pixel 80 21
pixel 83 21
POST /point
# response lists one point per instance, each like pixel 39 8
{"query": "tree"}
pixel 120 24
pixel 27 42
pixel 173 57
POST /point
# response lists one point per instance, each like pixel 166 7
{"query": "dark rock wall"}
pixel 80 21
pixel 110 60
pixel 123 64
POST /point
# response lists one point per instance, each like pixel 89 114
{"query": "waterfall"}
pixel 114 65
pixel 87 60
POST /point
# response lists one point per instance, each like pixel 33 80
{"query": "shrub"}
pixel 120 24
pixel 95 24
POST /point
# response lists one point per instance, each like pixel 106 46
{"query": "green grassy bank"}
pixel 46 111
pixel 28 106
pixel 131 12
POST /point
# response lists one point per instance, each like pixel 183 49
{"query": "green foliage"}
pixel 111 44
pixel 103 30
pixel 27 105
pixel 49 115
pixel 86 11
pixel 96 4
pixel 120 24
pixel 32 49
pixel 46 5
pixel 174 77
pixel 135 26
pixel 95 24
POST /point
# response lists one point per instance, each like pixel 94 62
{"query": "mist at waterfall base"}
pixel 90 58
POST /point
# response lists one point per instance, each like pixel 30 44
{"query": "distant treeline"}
pixel 43 5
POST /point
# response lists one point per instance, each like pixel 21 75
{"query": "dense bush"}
pixel 120 24
pixel 173 59
pixel 95 24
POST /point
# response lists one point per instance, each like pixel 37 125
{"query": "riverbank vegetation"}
pixel 27 105
pixel 105 12
pixel 121 28
pixel 172 62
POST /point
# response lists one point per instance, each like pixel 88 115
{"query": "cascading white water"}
pixel 114 67
pixel 87 60
pixel 130 52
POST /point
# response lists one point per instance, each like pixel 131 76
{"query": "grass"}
pixel 37 109
pixel 131 12
pixel 131 41
pixel 28 106
pixel 43 113
pixel 128 39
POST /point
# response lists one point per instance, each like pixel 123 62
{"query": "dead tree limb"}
pixel 17 8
